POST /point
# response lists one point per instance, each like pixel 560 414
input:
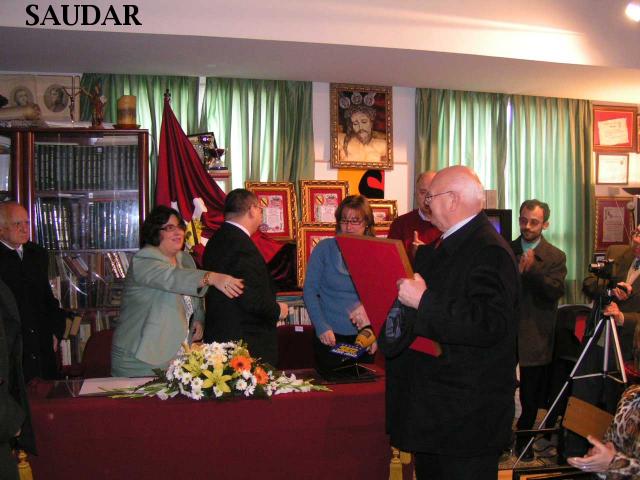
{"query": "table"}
pixel 317 435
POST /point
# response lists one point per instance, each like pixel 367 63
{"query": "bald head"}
pixel 423 183
pixel 465 196
pixel 14 224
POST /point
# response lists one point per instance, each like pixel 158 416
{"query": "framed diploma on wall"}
pixel 383 210
pixel 320 198
pixel 279 208
pixel 612 168
pixel 613 223
pixel 614 128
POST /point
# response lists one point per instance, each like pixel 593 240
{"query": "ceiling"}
pixel 568 48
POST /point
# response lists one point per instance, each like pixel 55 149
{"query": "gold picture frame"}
pixel 279 208
pixel 309 234
pixel 367 109
pixel 320 198
pixel 383 210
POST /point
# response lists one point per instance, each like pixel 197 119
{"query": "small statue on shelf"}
pixel 97 102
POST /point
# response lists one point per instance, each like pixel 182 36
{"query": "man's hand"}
pixel 410 291
pixel 55 343
pixel 623 293
pixel 612 310
pixel 416 242
pixel 284 310
pixel 328 338
pixel 526 261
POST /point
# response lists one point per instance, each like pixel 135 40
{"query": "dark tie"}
pixel 636 264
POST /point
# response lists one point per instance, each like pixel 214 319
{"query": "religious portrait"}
pixel 361 127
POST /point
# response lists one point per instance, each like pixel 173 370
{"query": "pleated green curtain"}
pixel 525 147
pixel 266 127
pixel 149 90
pixel 462 128
pixel 549 158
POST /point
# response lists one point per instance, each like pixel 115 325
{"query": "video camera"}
pixel 603 269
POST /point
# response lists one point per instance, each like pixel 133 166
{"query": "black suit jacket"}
pixel 14 406
pixel 40 311
pixel 461 403
pixel 253 315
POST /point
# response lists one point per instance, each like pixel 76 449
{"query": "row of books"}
pixel 71 223
pixel 80 167
pixel 78 331
pixel 298 315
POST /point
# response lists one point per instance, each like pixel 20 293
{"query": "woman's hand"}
pixel 328 338
pixel 232 287
pixel 373 347
pixel 197 330
pixel 359 317
pixel 597 459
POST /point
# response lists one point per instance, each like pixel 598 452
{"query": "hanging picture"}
pixel 361 127
pixel 612 168
pixel 614 221
pixel 279 208
pixel 614 128
pixel 383 210
pixel 309 235
pixel 320 199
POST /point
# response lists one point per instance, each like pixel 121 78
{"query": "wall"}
pixel 399 181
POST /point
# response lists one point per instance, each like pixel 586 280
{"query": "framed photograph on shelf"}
pixel 309 235
pixel 614 221
pixel 279 208
pixel 382 229
pixel 383 210
pixel 612 168
pixel 320 198
pixel 614 128
pixel 361 127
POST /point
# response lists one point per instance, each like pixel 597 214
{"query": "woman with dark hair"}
pixel 329 295
pixel 162 300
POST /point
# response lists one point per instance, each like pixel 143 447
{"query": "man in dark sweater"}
pixel 24 268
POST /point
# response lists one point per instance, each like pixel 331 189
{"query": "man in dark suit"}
pixel 24 268
pixel 459 405
pixel 543 269
pixel 14 407
pixel 251 317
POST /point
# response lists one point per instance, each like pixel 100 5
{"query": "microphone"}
pixel 365 337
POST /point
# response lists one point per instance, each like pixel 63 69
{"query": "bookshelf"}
pixel 86 194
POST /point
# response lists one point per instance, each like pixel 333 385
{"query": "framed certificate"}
pixel 279 208
pixel 614 128
pixel 612 168
pixel 382 229
pixel 309 235
pixel 613 222
pixel 320 198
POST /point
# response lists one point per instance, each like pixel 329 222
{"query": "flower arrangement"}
pixel 217 371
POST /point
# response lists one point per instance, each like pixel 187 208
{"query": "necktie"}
pixel 636 263
pixel 19 252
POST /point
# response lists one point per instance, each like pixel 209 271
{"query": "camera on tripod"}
pixel 602 269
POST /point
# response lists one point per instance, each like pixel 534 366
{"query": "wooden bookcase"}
pixel 86 194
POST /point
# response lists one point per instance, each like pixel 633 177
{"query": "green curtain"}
pixel 525 147
pixel 549 158
pixel 265 126
pixel 149 90
pixel 462 128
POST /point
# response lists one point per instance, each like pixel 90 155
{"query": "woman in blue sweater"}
pixel 329 295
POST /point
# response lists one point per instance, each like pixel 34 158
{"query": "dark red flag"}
pixel 183 183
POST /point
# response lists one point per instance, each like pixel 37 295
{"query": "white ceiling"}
pixel 564 48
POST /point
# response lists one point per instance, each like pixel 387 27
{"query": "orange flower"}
pixel 261 376
pixel 241 363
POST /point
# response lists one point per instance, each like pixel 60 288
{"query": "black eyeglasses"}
pixel 429 198
pixel 351 221
pixel 172 228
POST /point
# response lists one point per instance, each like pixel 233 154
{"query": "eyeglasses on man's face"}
pixel 429 197
pixel 172 228
pixel 351 221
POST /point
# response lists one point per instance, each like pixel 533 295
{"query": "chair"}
pixel 96 360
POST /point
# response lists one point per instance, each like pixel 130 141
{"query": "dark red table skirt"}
pixel 338 434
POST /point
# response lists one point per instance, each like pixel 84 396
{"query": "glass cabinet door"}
pixel 7 153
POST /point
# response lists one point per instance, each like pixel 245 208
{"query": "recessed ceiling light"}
pixel 633 11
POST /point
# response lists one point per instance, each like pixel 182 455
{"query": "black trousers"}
pixel 445 467
pixel 533 388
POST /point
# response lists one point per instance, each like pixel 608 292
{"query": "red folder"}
pixel 375 266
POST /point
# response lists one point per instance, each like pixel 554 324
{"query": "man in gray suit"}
pixel 543 269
